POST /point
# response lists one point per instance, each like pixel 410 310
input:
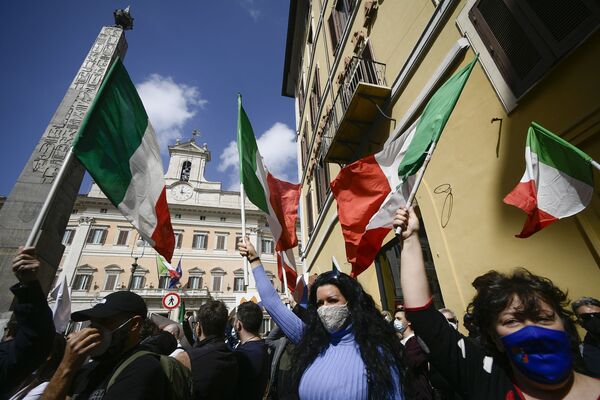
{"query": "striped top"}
pixel 338 373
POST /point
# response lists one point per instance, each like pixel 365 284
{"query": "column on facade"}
pixel 75 249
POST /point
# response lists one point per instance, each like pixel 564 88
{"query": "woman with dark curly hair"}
pixel 346 350
pixel 529 335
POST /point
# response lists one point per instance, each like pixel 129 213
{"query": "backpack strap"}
pixel 125 364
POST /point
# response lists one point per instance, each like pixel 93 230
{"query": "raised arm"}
pixel 413 279
pixel 290 324
pixel 33 342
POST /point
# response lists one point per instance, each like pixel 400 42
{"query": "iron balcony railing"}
pixel 359 70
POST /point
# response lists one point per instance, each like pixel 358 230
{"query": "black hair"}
pixel 380 348
pixel 496 291
pixel 212 317
pixel 148 328
pixel 251 316
pixel 584 301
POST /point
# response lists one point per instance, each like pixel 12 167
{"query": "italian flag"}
pixel 118 147
pixel 163 267
pixel 369 191
pixel 558 180
pixel 276 198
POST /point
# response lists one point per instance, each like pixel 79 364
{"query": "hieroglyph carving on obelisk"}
pixel 22 206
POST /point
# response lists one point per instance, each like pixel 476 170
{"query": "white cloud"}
pixel 277 146
pixel 169 106
pixel 252 8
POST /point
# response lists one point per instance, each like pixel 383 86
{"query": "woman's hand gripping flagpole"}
pixel 413 192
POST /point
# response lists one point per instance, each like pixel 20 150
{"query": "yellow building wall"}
pixel 481 161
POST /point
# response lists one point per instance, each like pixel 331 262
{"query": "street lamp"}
pixel 138 243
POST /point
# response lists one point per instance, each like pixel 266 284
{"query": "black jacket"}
pixel 214 368
pixel 32 344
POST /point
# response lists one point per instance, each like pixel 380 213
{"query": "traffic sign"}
pixel 171 301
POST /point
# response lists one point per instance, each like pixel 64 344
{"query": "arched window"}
pixel 112 273
pixel 238 280
pixel 217 279
pixel 195 280
pixel 185 171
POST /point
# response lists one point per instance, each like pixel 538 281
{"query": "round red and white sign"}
pixel 171 301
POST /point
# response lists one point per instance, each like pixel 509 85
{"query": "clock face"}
pixel 182 192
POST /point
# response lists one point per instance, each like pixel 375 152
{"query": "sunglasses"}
pixel 330 274
pixel 588 316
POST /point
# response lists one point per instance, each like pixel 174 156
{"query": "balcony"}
pixel 361 94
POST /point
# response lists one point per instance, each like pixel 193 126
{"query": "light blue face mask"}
pixel 542 355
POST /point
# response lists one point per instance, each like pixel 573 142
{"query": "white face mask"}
pixel 399 326
pixel 333 317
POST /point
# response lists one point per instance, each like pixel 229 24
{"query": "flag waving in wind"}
pixel 369 191
pixel 118 147
pixel 558 180
pixel 276 198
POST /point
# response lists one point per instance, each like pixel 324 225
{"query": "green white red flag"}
pixel 278 199
pixel 369 191
pixel 558 180
pixel 118 147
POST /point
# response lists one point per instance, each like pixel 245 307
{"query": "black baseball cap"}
pixel 113 304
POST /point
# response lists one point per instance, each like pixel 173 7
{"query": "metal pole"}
pixel 413 192
pixel 596 165
pixel 285 282
pixel 35 231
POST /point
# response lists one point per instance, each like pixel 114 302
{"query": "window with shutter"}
pixel 526 38
pixel 309 213
pixel 122 239
pixel 111 281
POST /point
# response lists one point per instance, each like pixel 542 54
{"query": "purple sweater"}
pixel 339 371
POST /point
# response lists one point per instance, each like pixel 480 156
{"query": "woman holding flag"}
pixel 346 350
pixel 524 325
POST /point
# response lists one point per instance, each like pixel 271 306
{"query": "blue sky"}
pixel 189 59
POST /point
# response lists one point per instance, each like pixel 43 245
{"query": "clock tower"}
pixel 185 176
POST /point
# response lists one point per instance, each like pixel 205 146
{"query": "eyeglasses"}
pixel 588 316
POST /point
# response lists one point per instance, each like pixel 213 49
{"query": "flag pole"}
pixel 413 192
pixel 285 281
pixel 35 231
pixel 596 165
pixel 243 211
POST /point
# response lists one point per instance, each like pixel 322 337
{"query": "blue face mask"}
pixel 542 355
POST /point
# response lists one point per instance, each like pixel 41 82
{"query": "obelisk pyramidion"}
pixel 22 206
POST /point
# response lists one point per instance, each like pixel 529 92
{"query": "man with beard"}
pixel 587 310
pixel 111 340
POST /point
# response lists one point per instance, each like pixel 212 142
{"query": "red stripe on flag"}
pixel 284 198
pixel 360 189
pixel 524 196
pixel 163 235
pixel 291 274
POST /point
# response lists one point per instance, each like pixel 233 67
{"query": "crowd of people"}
pixel 522 342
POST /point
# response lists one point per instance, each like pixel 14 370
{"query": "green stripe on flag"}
pixel 111 132
pixel 560 154
pixel 432 121
pixel 248 151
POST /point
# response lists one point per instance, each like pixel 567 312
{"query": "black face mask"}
pixel 592 325
pixel 117 340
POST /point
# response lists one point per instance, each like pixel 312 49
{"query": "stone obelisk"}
pixel 22 206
